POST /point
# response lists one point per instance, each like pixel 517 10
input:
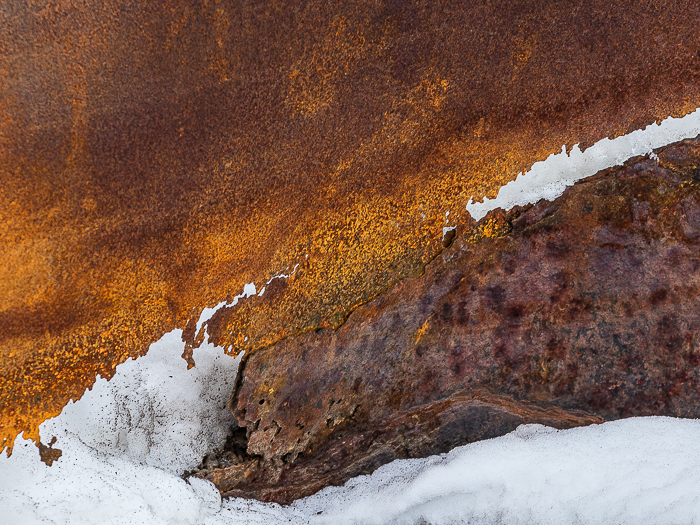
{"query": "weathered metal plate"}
pixel 155 157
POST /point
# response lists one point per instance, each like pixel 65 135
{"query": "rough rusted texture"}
pixel 156 156
pixel 586 310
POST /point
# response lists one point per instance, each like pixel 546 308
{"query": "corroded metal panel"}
pixel 157 156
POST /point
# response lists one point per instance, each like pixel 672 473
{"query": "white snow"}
pixel 446 229
pixel 127 441
pixel 207 313
pixel 153 411
pixel 248 291
pixel 549 178
pixel 640 470
pixel 280 276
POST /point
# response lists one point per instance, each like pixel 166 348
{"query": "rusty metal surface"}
pixel 154 157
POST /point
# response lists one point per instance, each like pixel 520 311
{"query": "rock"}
pixel 584 309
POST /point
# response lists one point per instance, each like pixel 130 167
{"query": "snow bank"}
pixel 125 444
pixel 549 178
pixel 153 411
pixel 640 470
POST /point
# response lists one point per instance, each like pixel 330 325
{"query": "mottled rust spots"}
pixel 155 157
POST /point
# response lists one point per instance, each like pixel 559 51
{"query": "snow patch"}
pixel 279 276
pixel 126 442
pixel 207 313
pixel 549 178
pixel 638 470
pixel 248 291
pixel 153 411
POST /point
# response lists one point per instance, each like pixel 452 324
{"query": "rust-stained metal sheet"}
pixel 155 157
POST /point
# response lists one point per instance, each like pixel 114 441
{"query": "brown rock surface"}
pixel 157 156
pixel 582 310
